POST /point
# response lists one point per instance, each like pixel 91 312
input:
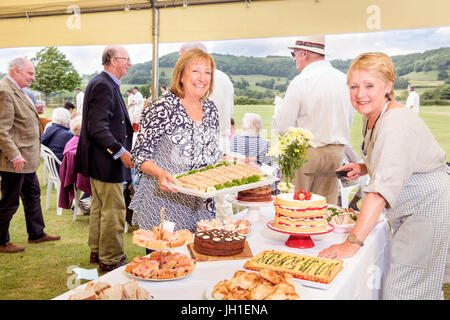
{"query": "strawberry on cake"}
pixel 300 212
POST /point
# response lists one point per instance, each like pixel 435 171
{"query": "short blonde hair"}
pixel 187 58
pixel 378 64
pixel 75 125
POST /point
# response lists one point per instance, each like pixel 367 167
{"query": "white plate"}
pixel 346 228
pixel 318 285
pixel 202 194
pixel 343 228
pixel 301 291
pixel 83 287
pixel 150 279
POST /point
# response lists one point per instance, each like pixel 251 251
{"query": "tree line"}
pixel 55 74
pixel 277 66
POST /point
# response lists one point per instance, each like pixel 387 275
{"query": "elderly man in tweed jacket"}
pixel 19 156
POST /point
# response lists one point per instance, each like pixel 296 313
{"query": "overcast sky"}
pixel 86 59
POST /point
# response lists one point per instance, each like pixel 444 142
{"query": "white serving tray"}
pixel 268 180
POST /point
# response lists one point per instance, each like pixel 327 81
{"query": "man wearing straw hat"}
pixel 317 100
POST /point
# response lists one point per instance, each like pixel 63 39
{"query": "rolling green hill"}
pixel 261 78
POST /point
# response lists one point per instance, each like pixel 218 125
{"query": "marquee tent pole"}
pixel 155 41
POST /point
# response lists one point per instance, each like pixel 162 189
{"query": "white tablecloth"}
pixel 361 277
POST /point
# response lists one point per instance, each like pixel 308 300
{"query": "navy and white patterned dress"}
pixel 177 144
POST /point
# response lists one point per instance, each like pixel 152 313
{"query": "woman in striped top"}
pixel 249 143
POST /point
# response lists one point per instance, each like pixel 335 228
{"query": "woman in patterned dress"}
pixel 408 180
pixel 178 132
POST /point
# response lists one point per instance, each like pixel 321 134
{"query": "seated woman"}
pixel 249 143
pixel 67 172
pixel 177 133
pixel 57 135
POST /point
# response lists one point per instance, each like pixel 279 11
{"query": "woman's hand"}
pixel 339 251
pixel 371 209
pixel 356 170
pixel 150 168
pixel 163 179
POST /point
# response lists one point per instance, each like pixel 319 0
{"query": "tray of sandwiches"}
pixel 222 178
pixel 153 239
pixel 310 271
pixel 100 290
pixel 160 266
pixel 263 285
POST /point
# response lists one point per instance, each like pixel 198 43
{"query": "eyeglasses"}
pixel 128 59
pixel 293 53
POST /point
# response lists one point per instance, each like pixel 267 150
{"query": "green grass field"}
pixel 43 271
pixel 437 119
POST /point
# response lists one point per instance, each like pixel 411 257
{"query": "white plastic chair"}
pixel 51 161
pixel 44 173
pixel 76 201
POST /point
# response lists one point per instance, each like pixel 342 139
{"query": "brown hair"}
pixel 187 58
pixel 378 64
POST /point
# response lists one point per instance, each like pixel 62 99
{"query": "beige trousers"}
pixel 321 159
pixel 107 220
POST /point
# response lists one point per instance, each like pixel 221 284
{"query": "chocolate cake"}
pixel 217 242
pixel 261 194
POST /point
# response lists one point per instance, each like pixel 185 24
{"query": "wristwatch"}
pixel 353 239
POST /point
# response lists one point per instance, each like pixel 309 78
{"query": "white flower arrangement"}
pixel 290 153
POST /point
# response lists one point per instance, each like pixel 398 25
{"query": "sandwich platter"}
pixel 223 178
pixel 213 193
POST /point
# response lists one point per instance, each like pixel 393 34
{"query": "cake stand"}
pixel 253 208
pixel 300 240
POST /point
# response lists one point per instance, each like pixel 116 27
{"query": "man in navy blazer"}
pixel 103 156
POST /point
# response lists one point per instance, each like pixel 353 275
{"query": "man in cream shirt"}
pixel 413 101
pixel 317 100
pixel 79 100
pixel 138 107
